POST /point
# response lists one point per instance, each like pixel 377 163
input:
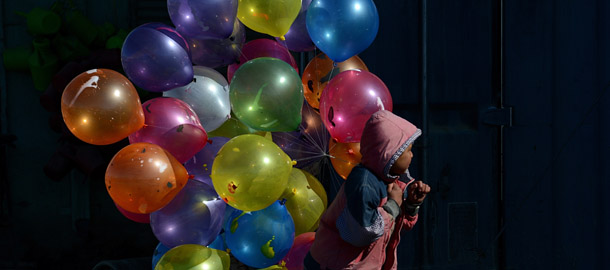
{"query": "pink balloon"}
pixel 349 100
pixel 140 218
pixel 300 247
pixel 173 125
pixel 262 48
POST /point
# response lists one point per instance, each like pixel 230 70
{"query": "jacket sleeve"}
pixel 408 220
pixel 361 221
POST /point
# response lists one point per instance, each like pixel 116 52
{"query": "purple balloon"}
pixel 201 163
pixel 262 48
pixel 194 216
pixel 173 125
pixel 309 144
pixel 203 18
pixel 155 61
pixel 204 179
pixel 170 32
pixel 214 52
pixel 297 39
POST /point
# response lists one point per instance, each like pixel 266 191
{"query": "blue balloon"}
pixel 160 250
pixel 260 238
pixel 342 28
pixel 155 61
pixel 219 243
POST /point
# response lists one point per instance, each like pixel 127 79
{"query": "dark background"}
pixel 511 95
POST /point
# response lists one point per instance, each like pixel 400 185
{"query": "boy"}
pixel 361 228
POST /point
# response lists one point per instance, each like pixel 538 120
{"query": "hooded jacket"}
pixel 361 229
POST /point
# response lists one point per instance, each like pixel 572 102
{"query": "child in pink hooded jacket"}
pixel 361 228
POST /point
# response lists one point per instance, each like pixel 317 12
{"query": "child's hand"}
pixel 417 192
pixel 395 193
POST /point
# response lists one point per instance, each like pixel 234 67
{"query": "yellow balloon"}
pixel 305 200
pixel 269 17
pixel 250 172
pixel 194 257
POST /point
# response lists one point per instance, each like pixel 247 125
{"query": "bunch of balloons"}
pixel 211 163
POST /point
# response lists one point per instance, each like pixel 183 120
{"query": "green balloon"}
pixel 267 94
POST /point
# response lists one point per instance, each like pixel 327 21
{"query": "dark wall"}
pixel 513 99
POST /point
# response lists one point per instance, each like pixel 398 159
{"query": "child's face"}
pixel 403 162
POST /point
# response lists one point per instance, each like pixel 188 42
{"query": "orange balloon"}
pixel 320 71
pixel 344 156
pixel 101 107
pixel 143 177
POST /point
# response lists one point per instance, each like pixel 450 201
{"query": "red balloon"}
pixel 300 247
pixel 262 48
pixel 348 102
pixel 140 218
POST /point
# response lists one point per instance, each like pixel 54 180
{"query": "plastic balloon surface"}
pixel 260 238
pixel 348 102
pixel 101 107
pixel 203 18
pixel 214 52
pixel 297 39
pixel 269 17
pixel 320 71
pixel 201 164
pixel 154 61
pixel 344 157
pixel 194 216
pixel 250 172
pixel 342 28
pixel 190 256
pixel 160 250
pixel 142 178
pixel 207 95
pixel 261 48
pixel 257 90
pixel 305 200
pixel 296 256
pixel 173 125
pixel 139 218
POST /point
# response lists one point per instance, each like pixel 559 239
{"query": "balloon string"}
pixel 308 158
pixel 242 54
pixel 309 143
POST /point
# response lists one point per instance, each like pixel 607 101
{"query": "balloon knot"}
pixel 210 141
pixel 294 162
pixel 191 176
pixel 334 64
pixel 282 38
pixel 283 201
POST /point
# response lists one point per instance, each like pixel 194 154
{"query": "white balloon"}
pixel 208 95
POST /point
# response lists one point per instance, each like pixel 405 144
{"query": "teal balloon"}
pixel 267 94
pixel 261 238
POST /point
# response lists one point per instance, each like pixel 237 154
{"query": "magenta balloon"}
pixel 349 100
pixel 140 218
pixel 297 39
pixel 173 125
pixel 201 163
pixel 300 247
pixel 155 61
pixel 203 18
pixel 262 48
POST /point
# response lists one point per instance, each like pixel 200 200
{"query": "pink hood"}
pixel 385 137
